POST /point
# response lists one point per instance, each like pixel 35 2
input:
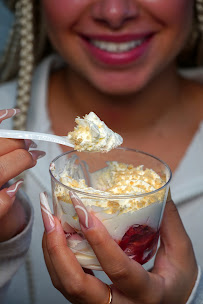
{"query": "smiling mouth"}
pixel 117 47
pixel 117 50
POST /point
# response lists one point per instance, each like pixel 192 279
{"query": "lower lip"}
pixel 118 59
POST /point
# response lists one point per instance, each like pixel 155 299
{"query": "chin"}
pixel 121 91
pixel 119 88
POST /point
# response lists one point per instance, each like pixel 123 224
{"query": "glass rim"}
pixel 112 196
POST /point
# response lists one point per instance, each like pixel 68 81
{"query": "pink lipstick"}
pixel 117 50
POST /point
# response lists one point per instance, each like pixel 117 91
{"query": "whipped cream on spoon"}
pixel 91 135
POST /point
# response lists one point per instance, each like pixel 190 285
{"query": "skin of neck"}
pixel 140 110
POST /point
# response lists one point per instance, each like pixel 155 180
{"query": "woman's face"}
pixel 118 45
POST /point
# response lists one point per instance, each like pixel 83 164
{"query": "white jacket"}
pixel 32 279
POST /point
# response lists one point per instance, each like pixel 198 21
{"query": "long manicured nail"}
pixel 84 216
pixel 30 144
pixel 13 189
pixel 8 113
pixel 36 154
pixel 47 217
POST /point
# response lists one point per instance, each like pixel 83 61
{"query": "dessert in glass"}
pixel 125 188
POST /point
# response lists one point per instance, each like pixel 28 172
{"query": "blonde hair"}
pixel 28 44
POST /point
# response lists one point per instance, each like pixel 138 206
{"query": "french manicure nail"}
pixel 36 154
pixel 29 144
pixel 8 113
pixel 47 216
pixel 84 216
pixel 13 189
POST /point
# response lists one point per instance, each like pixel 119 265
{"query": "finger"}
pixel 13 163
pixel 176 247
pixel 49 265
pixel 53 275
pixel 79 287
pixel 8 113
pixel 49 226
pixel 172 229
pixel 174 255
pixel 68 231
pixel 12 215
pixel 9 145
pixel 120 298
pixel 126 274
pixel 7 197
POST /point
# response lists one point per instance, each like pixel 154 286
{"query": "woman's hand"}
pixel 170 281
pixel 14 159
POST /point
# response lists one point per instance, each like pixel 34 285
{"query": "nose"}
pixel 114 13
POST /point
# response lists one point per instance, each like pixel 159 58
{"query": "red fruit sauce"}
pixel 140 243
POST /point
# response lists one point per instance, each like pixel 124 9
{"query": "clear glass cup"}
pixel 136 230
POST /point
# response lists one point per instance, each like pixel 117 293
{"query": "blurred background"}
pixel 6 21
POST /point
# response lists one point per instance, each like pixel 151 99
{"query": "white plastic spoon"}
pixel 62 140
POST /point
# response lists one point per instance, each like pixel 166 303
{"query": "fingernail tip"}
pixel 42 155
pixel 36 154
pixel 17 110
pixel 12 191
pixel 44 200
pixel 73 194
pixel 42 196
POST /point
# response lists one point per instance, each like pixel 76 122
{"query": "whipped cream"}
pixel 115 180
pixel 92 135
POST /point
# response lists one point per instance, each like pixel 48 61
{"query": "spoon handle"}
pixel 35 136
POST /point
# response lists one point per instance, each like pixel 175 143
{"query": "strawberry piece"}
pixel 140 243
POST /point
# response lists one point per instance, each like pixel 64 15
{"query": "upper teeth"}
pixel 115 47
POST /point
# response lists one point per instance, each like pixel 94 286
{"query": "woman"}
pixel 119 60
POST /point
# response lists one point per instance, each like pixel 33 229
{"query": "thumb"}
pixel 173 234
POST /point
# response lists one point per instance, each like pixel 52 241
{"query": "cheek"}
pixel 171 12
pixel 63 13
